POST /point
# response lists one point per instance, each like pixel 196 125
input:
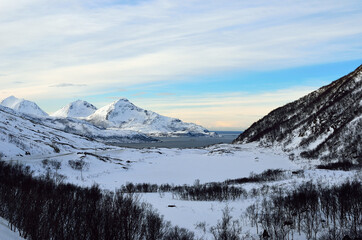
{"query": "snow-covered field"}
pixel 112 168
pixel 173 166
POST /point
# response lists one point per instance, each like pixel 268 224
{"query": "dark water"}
pixel 186 142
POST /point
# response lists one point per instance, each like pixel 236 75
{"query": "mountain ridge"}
pixel 320 124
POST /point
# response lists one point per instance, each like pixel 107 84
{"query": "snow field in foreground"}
pixel 112 168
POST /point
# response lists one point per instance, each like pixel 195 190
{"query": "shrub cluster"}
pixel 145 188
pixel 344 165
pixel 213 191
pixel 330 213
pixel 266 176
pixel 209 192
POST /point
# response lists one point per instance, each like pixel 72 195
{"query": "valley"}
pixel 276 178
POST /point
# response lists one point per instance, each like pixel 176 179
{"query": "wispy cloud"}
pixel 61 85
pixel 139 94
pixel 165 94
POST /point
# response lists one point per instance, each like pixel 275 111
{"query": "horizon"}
pixel 222 66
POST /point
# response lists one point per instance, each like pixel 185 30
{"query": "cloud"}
pixel 68 85
pixel 114 97
pixel 154 41
pixel 165 94
pixel 139 94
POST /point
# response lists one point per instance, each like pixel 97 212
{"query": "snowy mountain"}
pixel 21 134
pixel 325 124
pixel 125 115
pixel 76 109
pixel 24 106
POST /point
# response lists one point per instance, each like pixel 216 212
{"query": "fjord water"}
pixel 186 142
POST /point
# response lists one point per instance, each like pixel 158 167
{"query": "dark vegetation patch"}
pixel 345 166
pixel 209 192
pixel 41 209
pixel 198 192
pixel 266 176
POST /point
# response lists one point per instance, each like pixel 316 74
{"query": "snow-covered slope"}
pixel 326 123
pixel 23 106
pixel 21 134
pixel 125 115
pixel 76 109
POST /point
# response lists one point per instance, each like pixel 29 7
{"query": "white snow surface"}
pixel 173 166
pixel 125 115
pixel 6 233
pixel 76 109
pixel 23 106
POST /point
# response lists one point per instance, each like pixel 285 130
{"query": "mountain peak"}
pixel 76 109
pixel 11 101
pixel 23 106
pixel 123 100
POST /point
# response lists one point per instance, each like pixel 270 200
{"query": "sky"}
pixel 221 64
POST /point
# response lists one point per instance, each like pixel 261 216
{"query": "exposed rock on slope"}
pixel 325 124
pixel 125 115
pixel 23 106
pixel 76 109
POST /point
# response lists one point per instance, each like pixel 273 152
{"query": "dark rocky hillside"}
pixel 325 124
